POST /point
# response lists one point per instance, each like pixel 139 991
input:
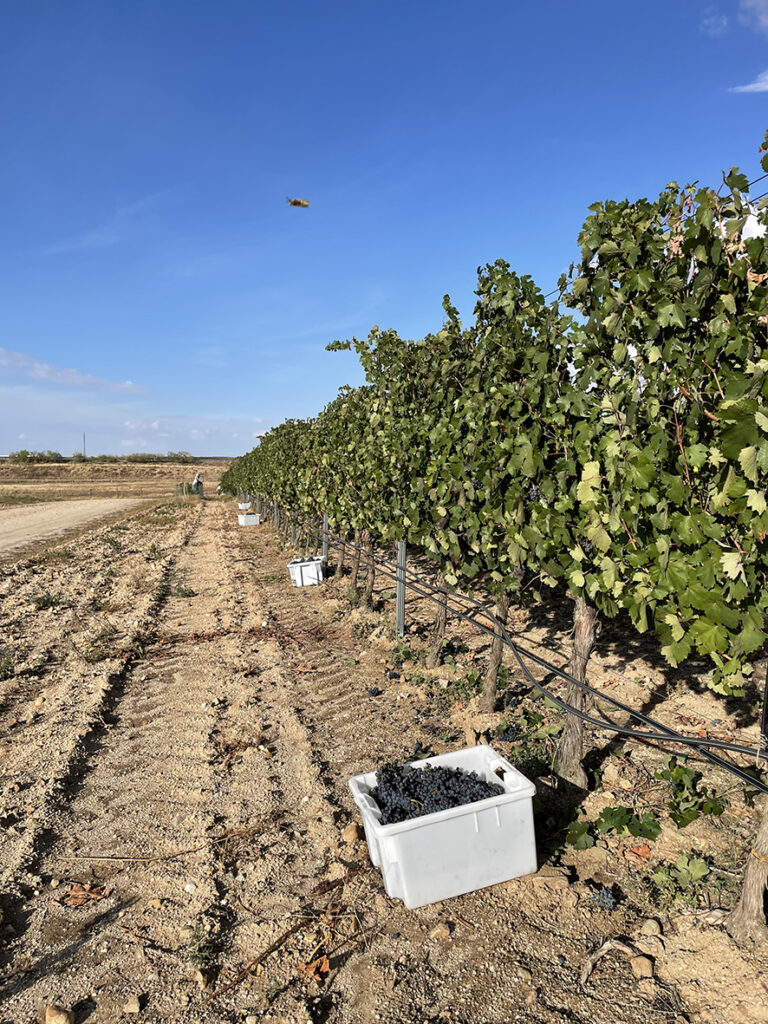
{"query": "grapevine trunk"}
pixel 355 568
pixel 370 576
pixel 488 697
pixel 748 919
pixel 571 748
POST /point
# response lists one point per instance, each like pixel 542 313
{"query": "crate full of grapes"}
pixel 306 572
pixel 447 825
pixel 249 519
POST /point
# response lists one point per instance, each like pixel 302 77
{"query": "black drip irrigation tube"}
pixel 665 734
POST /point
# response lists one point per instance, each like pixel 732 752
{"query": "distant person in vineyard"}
pixel 197 484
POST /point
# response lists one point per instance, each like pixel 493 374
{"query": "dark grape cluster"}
pixel 604 899
pixel 404 792
pixel 509 733
pixel 301 561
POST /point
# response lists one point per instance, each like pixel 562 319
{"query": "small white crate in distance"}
pixel 244 505
pixel 451 852
pixel 249 519
pixel 306 572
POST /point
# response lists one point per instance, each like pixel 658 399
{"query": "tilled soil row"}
pixel 289 879
pixel 75 660
pixel 58 709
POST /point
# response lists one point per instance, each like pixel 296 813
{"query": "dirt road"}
pixel 176 738
pixel 32 524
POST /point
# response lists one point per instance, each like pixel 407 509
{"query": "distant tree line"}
pixel 24 457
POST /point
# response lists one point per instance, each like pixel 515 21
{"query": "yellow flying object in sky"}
pixel 298 202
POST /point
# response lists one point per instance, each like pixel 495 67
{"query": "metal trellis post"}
pixel 325 538
pixel 274 513
pixel 400 604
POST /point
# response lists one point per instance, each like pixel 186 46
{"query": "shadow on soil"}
pixel 49 963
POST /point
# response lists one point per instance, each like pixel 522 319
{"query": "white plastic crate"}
pixel 249 519
pixel 441 855
pixel 244 505
pixel 306 572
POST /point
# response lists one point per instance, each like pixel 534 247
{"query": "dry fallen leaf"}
pixel 80 894
pixel 317 970
pixel 638 854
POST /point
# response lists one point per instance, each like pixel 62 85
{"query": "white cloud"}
pixel 141 425
pixel 754 13
pixel 760 84
pixel 713 23
pixel 17 364
pixel 22 437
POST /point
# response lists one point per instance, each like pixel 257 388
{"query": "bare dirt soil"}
pixel 69 480
pixel 23 526
pixel 177 729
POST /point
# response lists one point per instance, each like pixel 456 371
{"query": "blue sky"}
pixel 157 292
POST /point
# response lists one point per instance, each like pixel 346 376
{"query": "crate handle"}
pixel 500 767
pixel 367 803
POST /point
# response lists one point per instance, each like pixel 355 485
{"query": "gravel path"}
pixel 26 525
